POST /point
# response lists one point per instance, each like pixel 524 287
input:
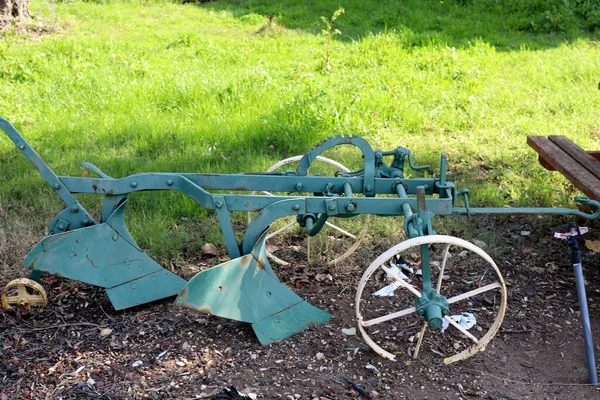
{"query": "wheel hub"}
pixel 433 307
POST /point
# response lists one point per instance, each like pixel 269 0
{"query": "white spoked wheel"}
pixel 462 272
pixel 337 240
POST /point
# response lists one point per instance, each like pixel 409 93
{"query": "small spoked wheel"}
pixel 20 295
pixel 337 240
pixel 460 271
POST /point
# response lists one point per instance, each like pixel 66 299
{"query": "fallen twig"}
pixel 360 389
pixel 60 326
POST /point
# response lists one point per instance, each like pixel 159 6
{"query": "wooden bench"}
pixel 582 168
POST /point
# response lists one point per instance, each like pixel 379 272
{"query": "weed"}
pixel 328 33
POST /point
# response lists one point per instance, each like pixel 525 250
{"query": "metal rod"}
pixel 583 309
pixel 347 189
pixel 523 210
pixel 410 229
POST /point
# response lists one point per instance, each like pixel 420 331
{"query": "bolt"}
pixel 61 227
pixel 74 209
pixel 296 207
pixel 219 204
pixel 299 186
pixel 133 184
pixel 421 312
pixel 56 186
pixel 86 222
pixel 170 182
pixel 350 207
pixel 368 188
pixel 22 146
pixel 115 237
pixel 332 207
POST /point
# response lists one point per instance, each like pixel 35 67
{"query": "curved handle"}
pixel 593 203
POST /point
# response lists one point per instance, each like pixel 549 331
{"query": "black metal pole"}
pixel 583 309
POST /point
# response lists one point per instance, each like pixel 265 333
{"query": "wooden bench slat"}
pixel 576 173
pixel 582 157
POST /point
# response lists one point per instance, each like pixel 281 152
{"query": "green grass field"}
pixel 138 86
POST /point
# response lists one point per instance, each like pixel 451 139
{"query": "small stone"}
pixel 209 249
pixel 320 356
pixel 137 364
pixel 180 363
pixel 349 331
pixel 186 346
pixel 105 332
pixel 90 382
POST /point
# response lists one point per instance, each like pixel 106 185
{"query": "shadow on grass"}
pixel 531 24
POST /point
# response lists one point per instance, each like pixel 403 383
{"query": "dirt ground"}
pixel 78 347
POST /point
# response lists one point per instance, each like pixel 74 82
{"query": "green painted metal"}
pixel 245 288
pixel 289 321
pixel 105 255
pixel 145 289
pixel 433 307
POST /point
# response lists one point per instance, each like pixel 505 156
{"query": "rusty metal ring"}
pixel 22 294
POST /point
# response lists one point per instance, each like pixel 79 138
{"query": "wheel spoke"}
pixel 475 292
pixel 401 281
pixel 337 228
pixel 389 317
pixel 442 268
pixel 280 230
pixel 461 329
pixel 420 341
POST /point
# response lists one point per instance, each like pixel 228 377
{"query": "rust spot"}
pixel 183 292
pixel 244 261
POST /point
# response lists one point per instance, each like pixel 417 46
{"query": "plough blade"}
pixel 106 255
pixel 246 289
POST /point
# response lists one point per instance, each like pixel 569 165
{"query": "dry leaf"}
pixel 593 245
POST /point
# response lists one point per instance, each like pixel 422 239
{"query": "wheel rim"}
pixel 335 237
pixel 463 272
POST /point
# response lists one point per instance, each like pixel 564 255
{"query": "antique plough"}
pixel 436 275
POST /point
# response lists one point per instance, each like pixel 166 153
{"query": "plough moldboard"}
pixel 246 288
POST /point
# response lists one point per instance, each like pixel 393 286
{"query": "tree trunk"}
pixel 13 9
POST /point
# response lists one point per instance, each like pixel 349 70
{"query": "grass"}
pixel 136 86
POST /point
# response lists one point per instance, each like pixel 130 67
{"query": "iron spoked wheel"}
pixel 337 240
pixel 462 272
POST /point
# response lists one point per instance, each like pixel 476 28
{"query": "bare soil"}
pixel 78 347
